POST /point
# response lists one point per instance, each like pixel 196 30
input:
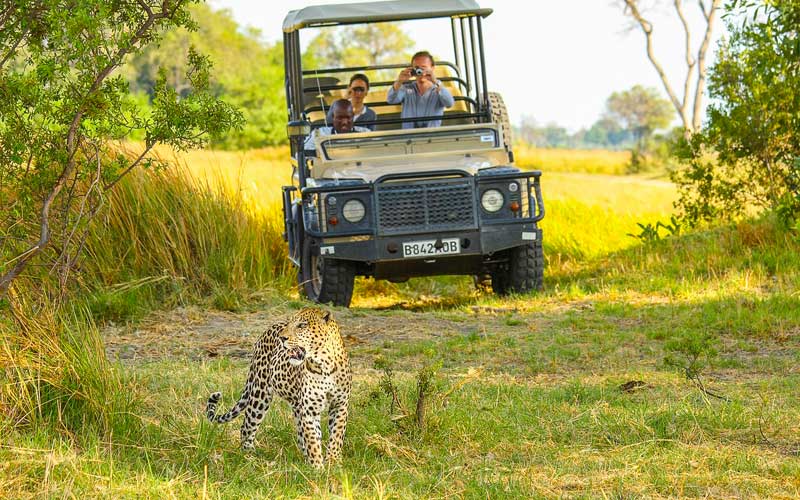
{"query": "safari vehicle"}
pixel 399 203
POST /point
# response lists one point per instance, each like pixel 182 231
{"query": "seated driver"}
pixel 342 123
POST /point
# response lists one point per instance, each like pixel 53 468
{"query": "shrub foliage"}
pixel 62 104
pixel 747 158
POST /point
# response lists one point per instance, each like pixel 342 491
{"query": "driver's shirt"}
pixel 416 105
pixel 324 131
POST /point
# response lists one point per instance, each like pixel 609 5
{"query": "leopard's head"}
pixel 306 336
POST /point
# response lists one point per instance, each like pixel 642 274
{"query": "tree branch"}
pixel 72 137
pixel 702 6
pixel 67 260
pixel 13 49
pixel 647 28
pixel 129 168
pixel 710 16
pixel 145 7
pixel 690 62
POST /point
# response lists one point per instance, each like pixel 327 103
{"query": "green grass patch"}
pixel 530 398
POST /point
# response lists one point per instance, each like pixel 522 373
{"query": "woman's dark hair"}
pixel 360 76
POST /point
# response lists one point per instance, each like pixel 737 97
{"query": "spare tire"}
pixel 499 112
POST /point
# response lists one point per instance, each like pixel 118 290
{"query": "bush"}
pixel 745 159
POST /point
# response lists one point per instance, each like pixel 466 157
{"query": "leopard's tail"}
pixel 213 402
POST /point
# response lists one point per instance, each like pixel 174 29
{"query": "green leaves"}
pixel 743 160
pixel 187 122
pixel 62 106
pixel 248 74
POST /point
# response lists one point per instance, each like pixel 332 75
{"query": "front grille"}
pixel 441 204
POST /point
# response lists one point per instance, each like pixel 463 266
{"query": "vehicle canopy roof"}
pixel 373 12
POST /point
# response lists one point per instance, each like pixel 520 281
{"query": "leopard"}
pixel 303 360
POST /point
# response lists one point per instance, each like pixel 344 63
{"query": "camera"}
pixel 417 71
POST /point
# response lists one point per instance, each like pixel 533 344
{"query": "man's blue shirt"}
pixel 431 103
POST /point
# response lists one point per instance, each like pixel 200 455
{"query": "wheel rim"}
pixel 317 265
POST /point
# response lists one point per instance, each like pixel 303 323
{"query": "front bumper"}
pixel 409 207
pixel 485 241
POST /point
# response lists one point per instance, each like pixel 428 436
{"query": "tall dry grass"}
pixel 210 225
pixel 165 237
pixel 54 371
pixel 170 235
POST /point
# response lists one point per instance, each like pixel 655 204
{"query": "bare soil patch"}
pixel 194 333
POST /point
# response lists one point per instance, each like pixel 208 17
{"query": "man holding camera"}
pixel 422 97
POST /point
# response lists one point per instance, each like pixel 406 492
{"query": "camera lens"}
pixel 418 71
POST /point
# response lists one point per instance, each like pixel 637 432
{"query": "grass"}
pixel 536 408
pixel 196 230
pixel 592 161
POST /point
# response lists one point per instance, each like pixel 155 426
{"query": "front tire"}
pixel 482 282
pixel 325 280
pixel 524 271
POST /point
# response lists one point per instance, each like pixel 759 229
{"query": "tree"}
pixel 639 110
pixel 248 74
pixel 748 156
pixel 681 104
pixel 382 43
pixel 61 105
pixel 528 131
pixel 607 132
pixel 549 136
pixel 555 136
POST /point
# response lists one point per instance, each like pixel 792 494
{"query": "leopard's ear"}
pixel 327 316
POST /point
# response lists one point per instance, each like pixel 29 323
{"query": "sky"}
pixel 556 61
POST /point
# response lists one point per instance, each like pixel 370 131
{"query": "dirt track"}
pixel 197 333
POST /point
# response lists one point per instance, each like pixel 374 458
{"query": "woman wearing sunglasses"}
pixel 357 91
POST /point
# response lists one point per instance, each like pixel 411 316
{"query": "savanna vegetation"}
pixel 660 361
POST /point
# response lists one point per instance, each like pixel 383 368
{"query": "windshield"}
pixel 375 54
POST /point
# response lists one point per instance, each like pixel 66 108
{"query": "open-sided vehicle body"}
pixel 399 203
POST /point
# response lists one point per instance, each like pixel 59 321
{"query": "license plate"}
pixel 427 248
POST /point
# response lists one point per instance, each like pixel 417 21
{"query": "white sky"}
pixel 555 60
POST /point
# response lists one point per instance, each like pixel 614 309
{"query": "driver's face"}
pixel 343 119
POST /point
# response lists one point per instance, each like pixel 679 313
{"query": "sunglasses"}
pixel 358 89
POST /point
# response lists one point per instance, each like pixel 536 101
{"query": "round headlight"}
pixel 353 211
pixel 492 200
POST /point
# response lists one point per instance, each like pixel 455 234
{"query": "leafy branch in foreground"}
pixel 425 389
pixel 63 106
